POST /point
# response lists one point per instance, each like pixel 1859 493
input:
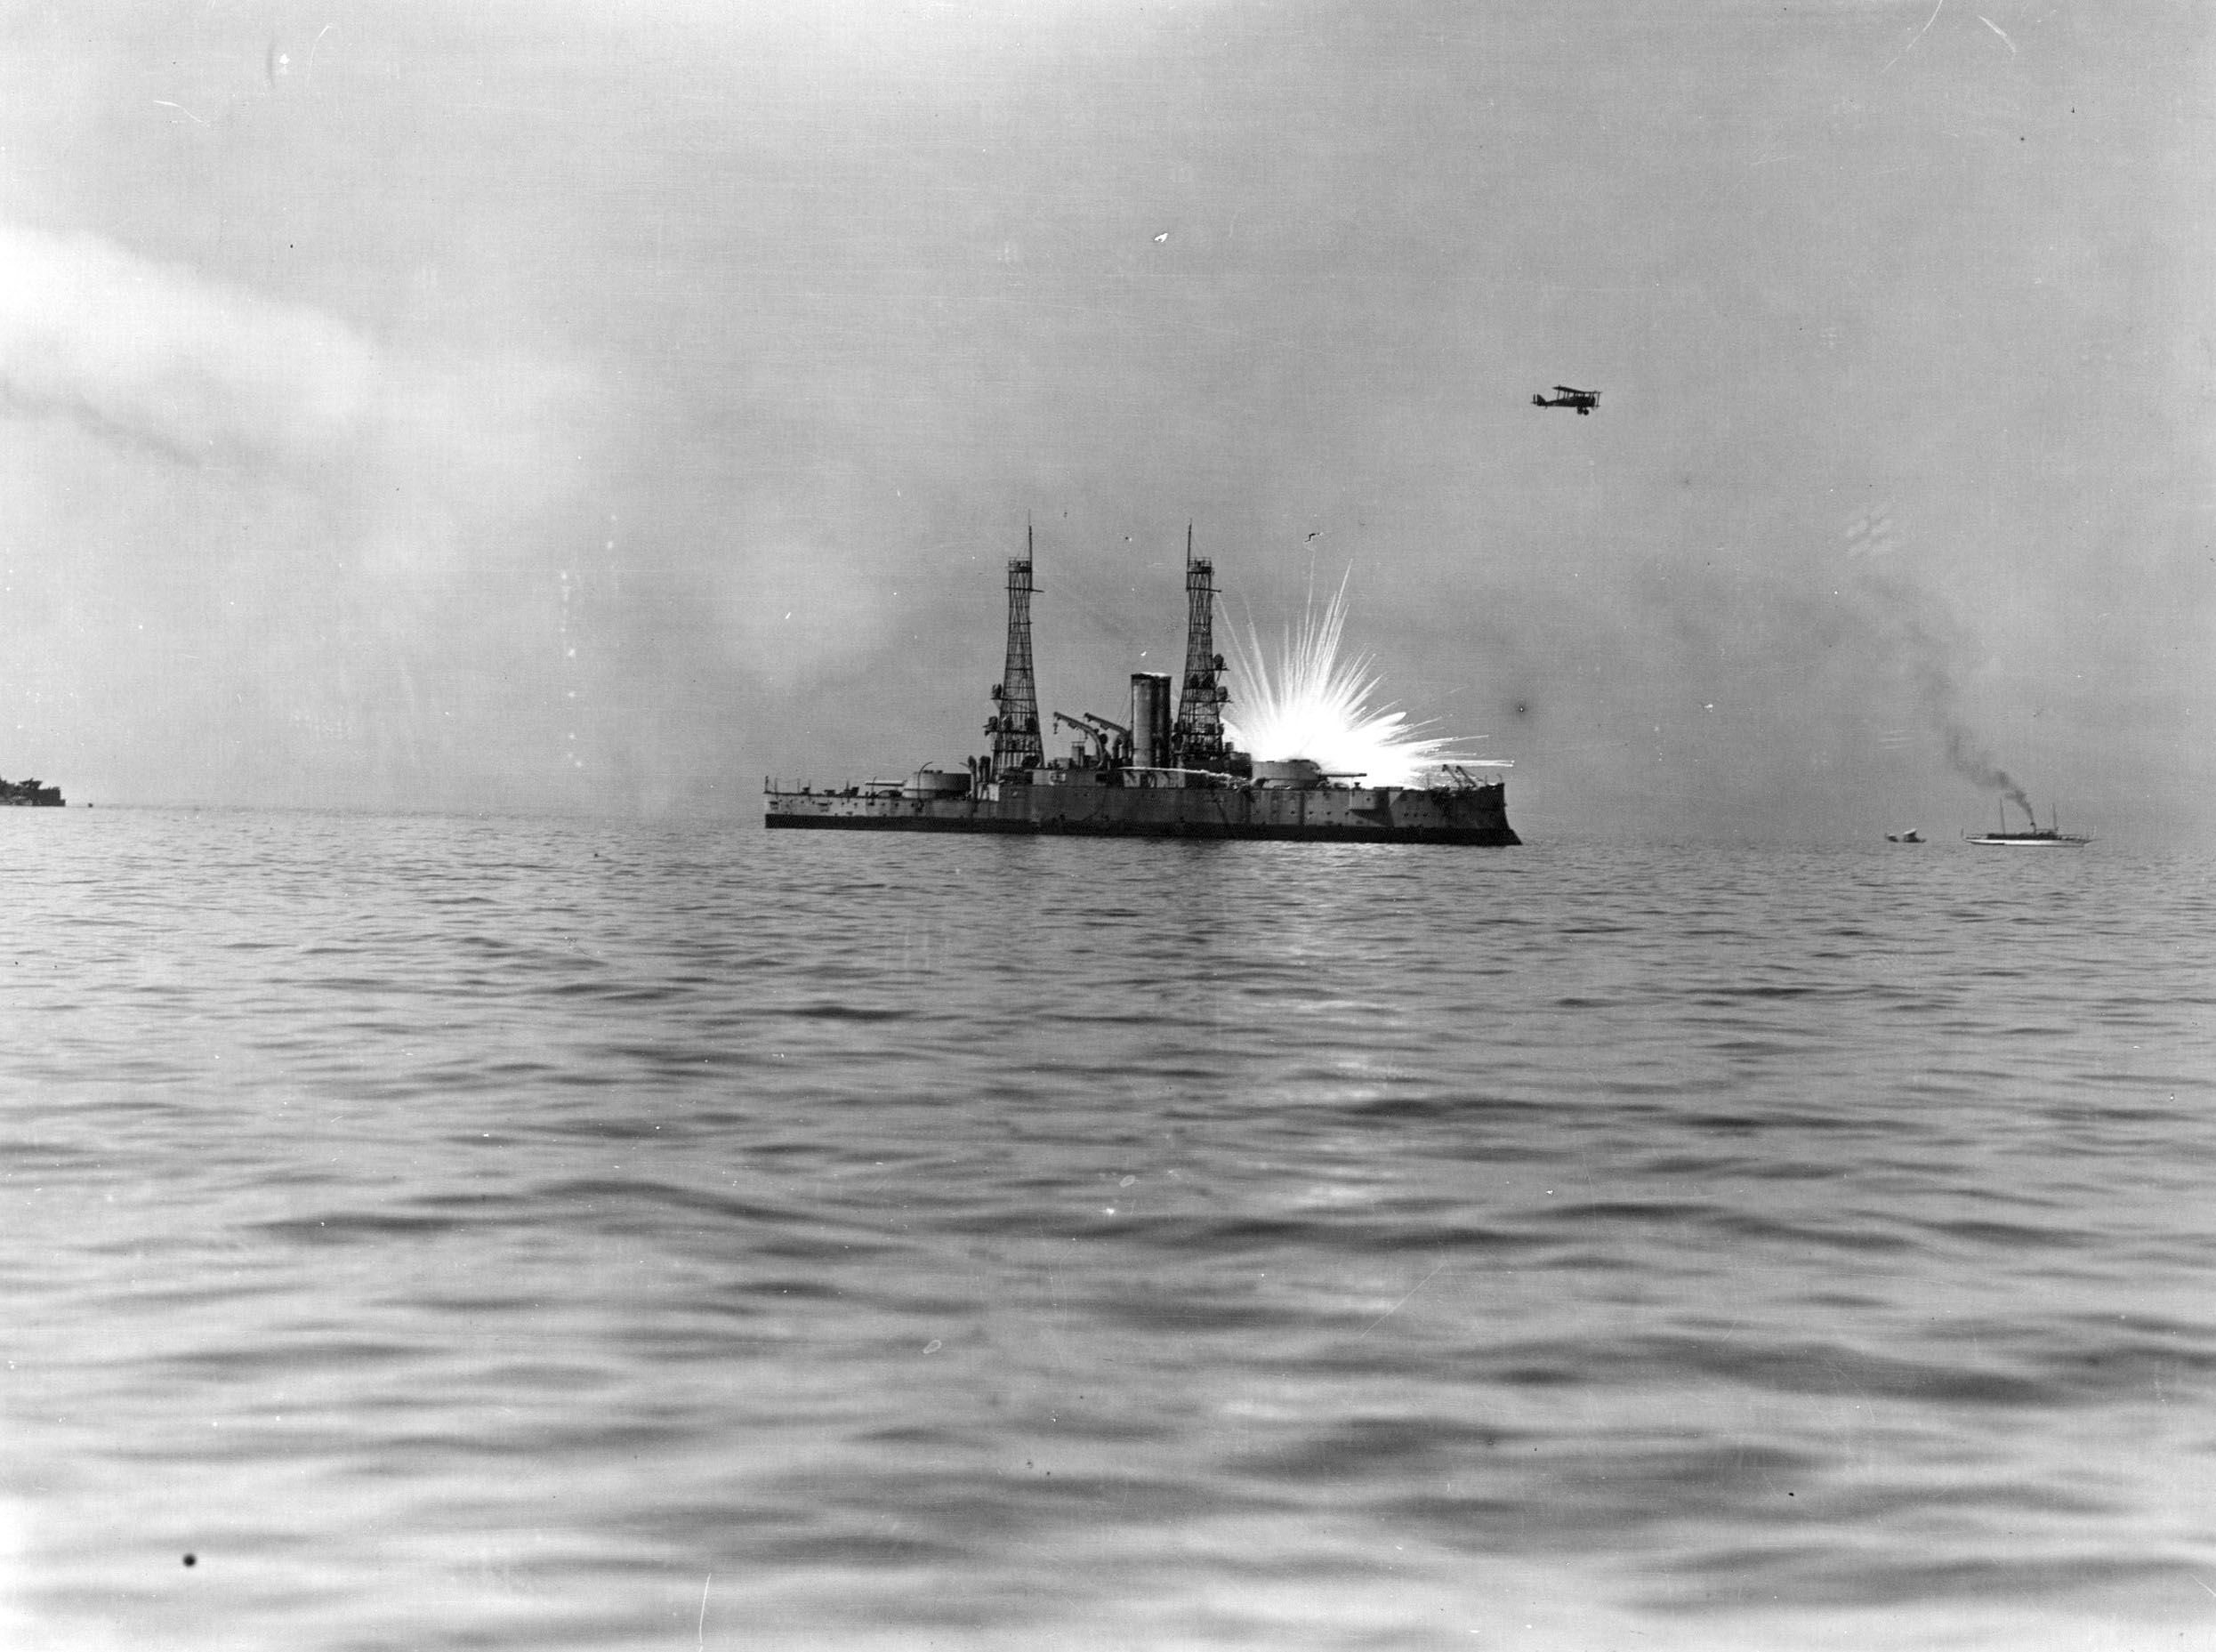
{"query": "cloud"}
pixel 329 565
pixel 149 355
pixel 139 352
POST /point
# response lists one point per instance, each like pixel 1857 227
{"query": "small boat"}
pixel 1911 835
pixel 2035 836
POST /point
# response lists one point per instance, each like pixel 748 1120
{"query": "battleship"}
pixel 1165 772
pixel 29 795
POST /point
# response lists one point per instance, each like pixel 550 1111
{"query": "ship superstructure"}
pixel 29 795
pixel 1170 771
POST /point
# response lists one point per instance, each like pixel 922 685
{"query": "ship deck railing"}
pixel 1207 776
pixel 774 787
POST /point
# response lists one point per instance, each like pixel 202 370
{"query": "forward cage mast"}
pixel 1014 724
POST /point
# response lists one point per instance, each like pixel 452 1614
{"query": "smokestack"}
pixel 1149 719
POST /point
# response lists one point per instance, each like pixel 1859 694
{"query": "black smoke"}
pixel 1923 637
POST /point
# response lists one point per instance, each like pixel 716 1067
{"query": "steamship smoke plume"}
pixel 1911 624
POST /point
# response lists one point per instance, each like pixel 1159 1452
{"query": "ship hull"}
pixel 1379 815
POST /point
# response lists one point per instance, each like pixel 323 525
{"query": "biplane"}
pixel 1583 400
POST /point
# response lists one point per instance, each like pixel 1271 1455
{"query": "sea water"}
pixel 492 1232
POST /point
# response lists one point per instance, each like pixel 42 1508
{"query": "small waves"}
pixel 1007 1245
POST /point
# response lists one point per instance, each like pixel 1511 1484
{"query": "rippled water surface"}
pixel 512 1233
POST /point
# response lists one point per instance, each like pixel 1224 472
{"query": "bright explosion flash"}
pixel 1317 706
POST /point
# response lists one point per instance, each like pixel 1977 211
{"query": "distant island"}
pixel 29 795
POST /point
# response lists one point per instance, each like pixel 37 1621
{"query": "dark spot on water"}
pixel 191 1560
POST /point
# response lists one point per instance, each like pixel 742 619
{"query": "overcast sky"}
pixel 577 405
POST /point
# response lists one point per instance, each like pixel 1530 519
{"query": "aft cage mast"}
pixel 1197 739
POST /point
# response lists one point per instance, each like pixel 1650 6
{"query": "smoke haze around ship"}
pixel 578 406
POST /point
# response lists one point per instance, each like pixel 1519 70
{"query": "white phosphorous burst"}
pixel 1316 705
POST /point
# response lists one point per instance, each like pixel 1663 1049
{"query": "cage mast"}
pixel 1197 739
pixel 1014 724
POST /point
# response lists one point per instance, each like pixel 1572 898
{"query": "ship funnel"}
pixel 1151 720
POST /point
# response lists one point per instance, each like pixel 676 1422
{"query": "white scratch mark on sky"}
pixel 1997 29
pixel 1921 33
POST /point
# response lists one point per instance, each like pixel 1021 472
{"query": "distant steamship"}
pixel 2033 837
pixel 1163 774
